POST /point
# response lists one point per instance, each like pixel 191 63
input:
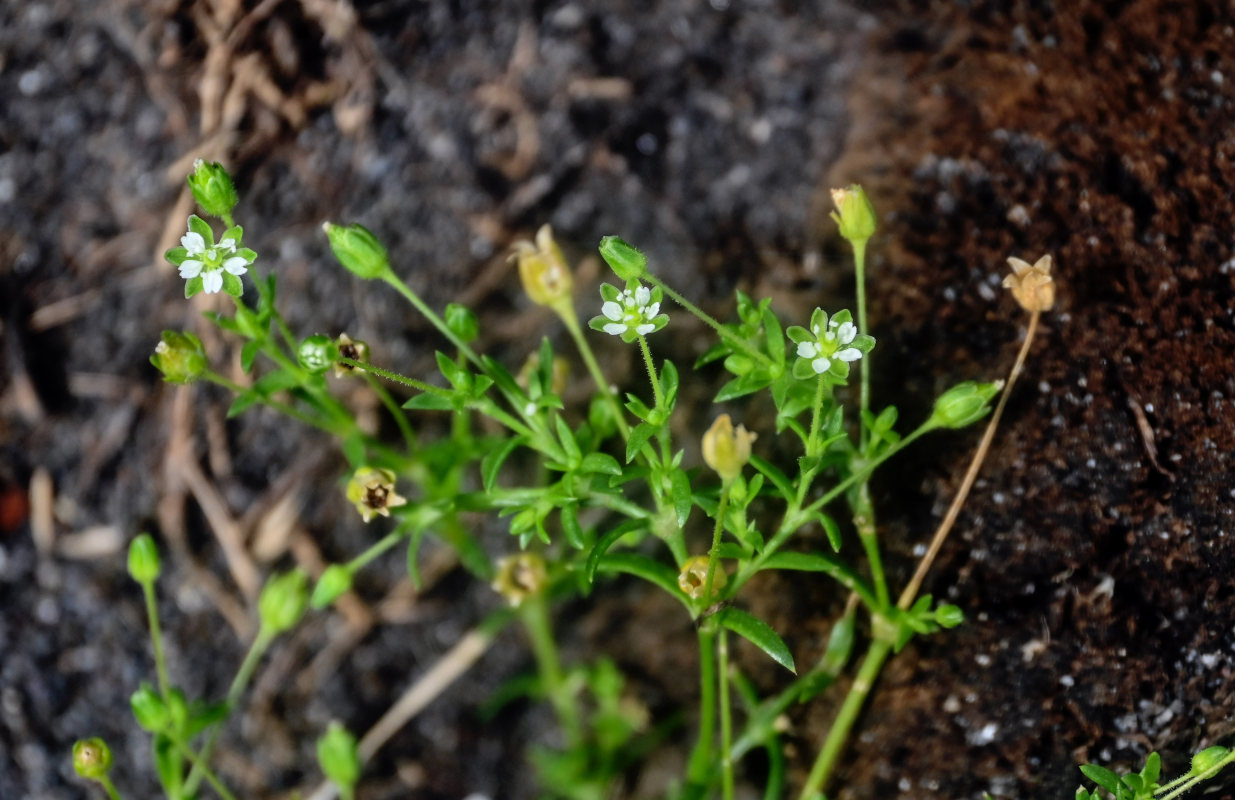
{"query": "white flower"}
pixel 200 257
pixel 631 311
pixel 827 342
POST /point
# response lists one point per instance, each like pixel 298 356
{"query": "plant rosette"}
pixel 208 266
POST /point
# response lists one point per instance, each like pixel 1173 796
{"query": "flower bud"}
pixel 949 616
pixel 727 450
pixel 964 404
pixel 337 756
pixel 91 758
pixel 212 188
pixel 854 213
pixel 1032 285
pixel 283 601
pixel 317 353
pixel 462 322
pixel 144 566
pixel 355 350
pixel 358 250
pixel 624 259
pixel 336 579
pixel 543 270
pixel 520 576
pixel 180 357
pixel 149 709
pixel 1208 758
pixel 372 491
pixel 694 576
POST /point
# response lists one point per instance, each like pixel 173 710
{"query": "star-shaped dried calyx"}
pixel 1032 284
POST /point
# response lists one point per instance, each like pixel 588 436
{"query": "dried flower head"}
pixel 372 491
pixel 1032 284
pixel 520 576
pixel 349 349
pixel 543 270
pixel 693 578
pixel 725 449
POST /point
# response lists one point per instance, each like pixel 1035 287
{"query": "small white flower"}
pixel 529 410
pixel 630 311
pixel 200 257
pixel 826 342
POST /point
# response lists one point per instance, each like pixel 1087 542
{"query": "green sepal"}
pixel 232 284
pixel 176 255
pixel 235 233
pixel 193 286
pixel 758 633
pixel 202 228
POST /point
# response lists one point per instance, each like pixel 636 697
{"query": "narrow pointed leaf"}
pixel 758 633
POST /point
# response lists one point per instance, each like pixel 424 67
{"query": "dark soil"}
pixel 1094 559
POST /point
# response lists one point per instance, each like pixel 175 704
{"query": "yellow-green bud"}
pixel 337 756
pixel 335 580
pixel 949 616
pixel 964 404
pixel 1208 758
pixel 543 270
pixel 372 491
pixel 91 758
pixel 854 213
pixel 358 250
pixel 317 353
pixel 520 576
pixel 212 188
pixel 283 601
pixel 624 259
pixel 727 450
pixel 149 709
pixel 693 578
pixel 144 566
pixel 180 357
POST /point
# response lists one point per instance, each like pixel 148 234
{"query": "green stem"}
pixel 816 420
pixel 535 614
pixel 110 788
pixel 373 551
pixel 156 638
pixel 864 522
pixel 699 768
pixel 859 264
pixel 571 320
pixel 239 683
pixel 394 377
pixel 717 533
pixel 1189 781
pixel 208 773
pixel 428 313
pixel 726 720
pixel 282 408
pixel 733 341
pixel 383 394
pixel 838 734
pixel 657 395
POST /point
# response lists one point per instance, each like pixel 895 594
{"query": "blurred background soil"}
pixel 1094 561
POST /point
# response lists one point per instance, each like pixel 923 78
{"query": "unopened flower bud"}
pixel 358 250
pixel 317 353
pixel 1032 284
pixel 338 757
pixel 693 578
pixel 624 259
pixel 520 576
pixel 353 350
pixel 964 404
pixel 543 270
pixel 372 491
pixel 336 579
pixel 91 758
pixel 949 616
pixel 180 357
pixel 727 450
pixel 1208 758
pixel 283 601
pixel 149 709
pixel 854 213
pixel 144 566
pixel 212 188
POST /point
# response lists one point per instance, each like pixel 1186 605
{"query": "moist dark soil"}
pixel 1094 559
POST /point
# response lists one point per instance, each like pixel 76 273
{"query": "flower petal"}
pixel 236 265
pixel 651 310
pixel 614 328
pixel 852 354
pixel 228 245
pixel 846 332
pixel 643 296
pixel 212 281
pixel 193 242
pixel 612 311
pixel 808 349
pixel 820 365
pixel 644 330
pixel 190 268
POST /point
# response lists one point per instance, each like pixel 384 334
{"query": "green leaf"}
pixel 242 403
pixel 716 351
pixel 645 568
pixel 669 383
pixel 493 460
pixel 567 438
pixel 818 562
pixel 758 633
pixel 413 555
pixel 679 489
pixel 248 353
pixel 167 764
pixel 773 336
pixel 740 387
pixel 638 438
pixel 277 381
pixel 569 515
pixel 840 644
pixel 430 401
pixel 779 479
pixel 457 376
pixel 604 543
pixel 354 450
pixel 1153 768
pixel 830 528
pixel 1102 776
pixel 600 462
